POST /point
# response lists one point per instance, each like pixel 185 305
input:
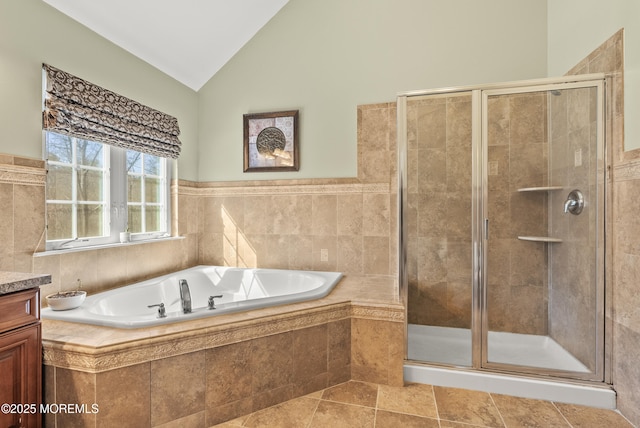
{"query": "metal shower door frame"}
pixel 481 228
pixel 479 216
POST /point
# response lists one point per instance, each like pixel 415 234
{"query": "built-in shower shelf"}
pixel 540 189
pixel 539 239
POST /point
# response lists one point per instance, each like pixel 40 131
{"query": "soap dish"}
pixel 63 300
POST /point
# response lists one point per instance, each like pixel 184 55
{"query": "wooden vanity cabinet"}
pixel 20 358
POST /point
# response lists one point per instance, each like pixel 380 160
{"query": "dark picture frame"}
pixel 271 141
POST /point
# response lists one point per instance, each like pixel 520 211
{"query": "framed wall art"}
pixel 271 141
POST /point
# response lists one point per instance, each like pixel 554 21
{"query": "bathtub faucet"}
pixel 185 296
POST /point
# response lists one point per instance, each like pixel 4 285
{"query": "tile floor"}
pixel 357 404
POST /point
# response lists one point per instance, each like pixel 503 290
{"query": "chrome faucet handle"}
pixel 162 313
pixel 212 304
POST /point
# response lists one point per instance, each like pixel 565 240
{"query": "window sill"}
pixel 104 246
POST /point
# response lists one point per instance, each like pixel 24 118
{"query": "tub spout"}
pixel 185 296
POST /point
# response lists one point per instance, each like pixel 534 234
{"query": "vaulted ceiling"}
pixel 190 40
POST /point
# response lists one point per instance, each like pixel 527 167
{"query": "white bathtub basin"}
pixel 241 290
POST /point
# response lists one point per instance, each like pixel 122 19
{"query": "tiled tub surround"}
pixel 288 225
pixel 203 372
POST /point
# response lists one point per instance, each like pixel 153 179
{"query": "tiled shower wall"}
pixel 517 159
pixel 575 277
pixel 438 213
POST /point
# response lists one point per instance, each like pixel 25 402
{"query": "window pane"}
pixel 152 219
pixel 135 219
pixel 89 153
pixel 89 220
pixel 59 221
pixel 59 183
pixel 59 148
pixel 90 185
pixel 134 162
pixel 134 188
pixel 151 165
pixel 152 190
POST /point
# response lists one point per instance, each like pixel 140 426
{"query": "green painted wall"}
pixel 323 58
pixel 577 27
pixel 326 57
pixel 31 32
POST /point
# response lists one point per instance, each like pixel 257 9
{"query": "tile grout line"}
pixel 504 424
pixel 553 403
pixel 375 412
pixel 435 403
pixel 313 414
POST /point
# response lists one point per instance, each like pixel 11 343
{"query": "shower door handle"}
pixel 486 229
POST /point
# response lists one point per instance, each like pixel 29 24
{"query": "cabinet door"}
pixel 20 382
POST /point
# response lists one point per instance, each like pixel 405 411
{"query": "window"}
pixel 95 191
pixel 146 195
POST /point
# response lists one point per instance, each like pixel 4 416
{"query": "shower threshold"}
pixel 452 346
pixel 448 345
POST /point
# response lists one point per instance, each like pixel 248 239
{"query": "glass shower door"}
pixel 544 238
pixel 438 228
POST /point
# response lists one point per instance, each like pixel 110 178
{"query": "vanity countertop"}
pixel 11 282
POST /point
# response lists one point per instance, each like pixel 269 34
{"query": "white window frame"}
pixel 115 213
pixel 164 203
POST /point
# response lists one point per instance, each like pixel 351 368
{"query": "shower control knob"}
pixel 574 203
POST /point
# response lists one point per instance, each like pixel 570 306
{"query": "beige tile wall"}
pixel 623 277
pixel 210 386
pixel 22 184
pixel 287 224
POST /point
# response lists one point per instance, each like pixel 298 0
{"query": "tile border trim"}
pixel 24 175
pixel 627 171
pixel 95 360
pixel 285 189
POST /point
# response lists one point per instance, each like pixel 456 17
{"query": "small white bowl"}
pixel 63 300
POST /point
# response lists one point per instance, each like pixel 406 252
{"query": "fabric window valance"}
pixel 73 106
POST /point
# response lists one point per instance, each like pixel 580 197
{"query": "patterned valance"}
pixel 76 107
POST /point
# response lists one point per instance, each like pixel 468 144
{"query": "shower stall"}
pixel 502 212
